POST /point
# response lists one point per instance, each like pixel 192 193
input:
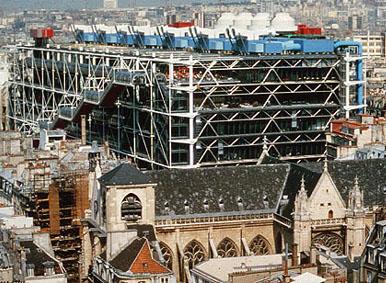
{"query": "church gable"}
pixel 144 263
pixel 137 258
pixel 325 200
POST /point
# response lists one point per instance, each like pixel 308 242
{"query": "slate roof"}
pixel 124 174
pixel 126 257
pixel 251 183
pixel 346 263
pixel 184 192
pixel 259 188
pixel 292 185
pixel 137 258
pixel 371 175
pixel 36 256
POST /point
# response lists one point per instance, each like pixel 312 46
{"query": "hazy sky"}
pixel 78 4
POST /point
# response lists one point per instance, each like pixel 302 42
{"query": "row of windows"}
pixel 194 251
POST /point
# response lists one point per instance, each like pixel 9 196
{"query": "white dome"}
pixel 283 22
pixel 245 15
pixel 260 21
pixel 243 20
pixel 227 15
pixel 226 20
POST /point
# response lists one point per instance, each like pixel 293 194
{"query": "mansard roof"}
pixel 124 174
pixel 221 189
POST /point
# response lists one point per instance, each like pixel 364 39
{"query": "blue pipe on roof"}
pixel 359 67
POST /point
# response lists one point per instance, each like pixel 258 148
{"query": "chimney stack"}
pixel 30 270
pixel 83 129
pixel 286 276
pixel 49 268
pixel 295 256
pixel 313 255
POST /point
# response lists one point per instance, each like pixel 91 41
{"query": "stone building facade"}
pixel 373 261
pixel 322 217
pixel 194 215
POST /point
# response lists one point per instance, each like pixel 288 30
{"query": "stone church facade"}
pixel 322 217
pixel 226 212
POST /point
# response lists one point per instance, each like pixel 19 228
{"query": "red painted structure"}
pixel 181 25
pixel 42 33
pixel 306 30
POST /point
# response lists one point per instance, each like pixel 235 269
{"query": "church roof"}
pixel 371 177
pixel 247 189
pixel 370 173
pixel 260 187
pixel 222 189
pixel 292 185
pixel 126 257
pixel 124 174
pixel 137 258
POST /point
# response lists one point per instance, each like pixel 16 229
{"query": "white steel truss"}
pixel 181 109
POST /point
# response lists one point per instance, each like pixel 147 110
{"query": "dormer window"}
pixel 206 205
pixel 221 204
pixel 265 202
pixel 131 208
pixel 166 206
pixel 240 203
pixel 186 206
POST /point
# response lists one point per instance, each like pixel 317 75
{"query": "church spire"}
pixel 302 194
pixel 355 197
pixel 264 153
pixel 302 185
pixel 301 201
pixel 325 165
pixel 356 185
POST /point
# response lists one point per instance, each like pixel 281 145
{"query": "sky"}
pixel 77 4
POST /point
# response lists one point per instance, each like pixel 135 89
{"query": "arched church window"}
pixel 167 255
pixel 330 214
pixel 330 240
pixel 194 253
pixel 131 208
pixel 227 248
pixel 259 246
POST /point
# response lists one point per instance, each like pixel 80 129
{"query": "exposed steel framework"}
pixel 184 109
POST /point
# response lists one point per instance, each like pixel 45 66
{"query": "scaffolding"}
pixel 58 211
pixel 179 109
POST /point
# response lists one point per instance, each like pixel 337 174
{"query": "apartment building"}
pixel 373 44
